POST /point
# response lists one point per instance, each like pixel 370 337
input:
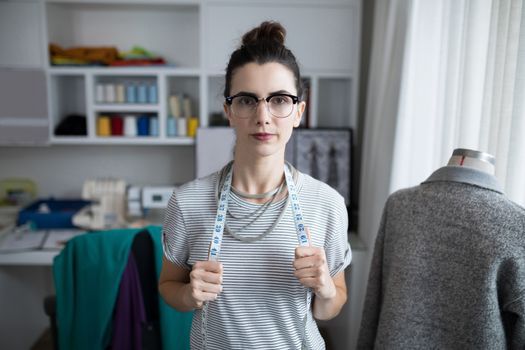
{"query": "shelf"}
pixel 67 95
pixel 181 72
pixel 187 86
pixel 327 74
pixel 117 140
pixel 195 37
pixel 126 107
pixel 138 70
pixel 125 24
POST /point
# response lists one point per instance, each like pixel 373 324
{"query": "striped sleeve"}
pixel 337 248
pixel 174 237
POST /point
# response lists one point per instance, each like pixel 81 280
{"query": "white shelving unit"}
pixel 195 38
pixel 81 83
pixel 169 29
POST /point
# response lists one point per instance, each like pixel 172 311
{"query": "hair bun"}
pixel 266 31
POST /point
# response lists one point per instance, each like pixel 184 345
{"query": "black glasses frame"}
pixel 229 99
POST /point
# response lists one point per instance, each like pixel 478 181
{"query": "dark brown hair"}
pixel 263 44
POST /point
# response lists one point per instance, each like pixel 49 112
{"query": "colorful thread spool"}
pixel 143 126
pixel 152 93
pixel 142 93
pixel 154 126
pixel 171 126
pixel 103 126
pixel 193 124
pixel 117 126
pixel 130 125
pixel 181 127
pixel 131 93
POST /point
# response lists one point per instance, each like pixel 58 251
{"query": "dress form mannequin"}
pixel 473 159
pixel 453 239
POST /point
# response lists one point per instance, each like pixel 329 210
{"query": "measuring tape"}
pixel 218 230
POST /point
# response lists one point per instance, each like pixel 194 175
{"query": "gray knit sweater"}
pixel 448 270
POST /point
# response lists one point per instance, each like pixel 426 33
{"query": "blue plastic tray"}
pixel 60 213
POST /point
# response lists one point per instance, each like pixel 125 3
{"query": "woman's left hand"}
pixel 311 269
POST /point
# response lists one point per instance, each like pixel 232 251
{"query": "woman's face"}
pixel 262 134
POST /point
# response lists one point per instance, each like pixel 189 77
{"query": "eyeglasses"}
pixel 279 105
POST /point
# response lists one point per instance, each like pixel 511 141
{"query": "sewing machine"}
pixel 148 203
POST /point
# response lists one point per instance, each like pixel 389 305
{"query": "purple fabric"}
pixel 129 310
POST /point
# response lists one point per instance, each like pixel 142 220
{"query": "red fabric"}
pixel 138 62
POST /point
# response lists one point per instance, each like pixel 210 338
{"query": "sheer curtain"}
pixel 444 74
pixel 462 87
pixel 391 18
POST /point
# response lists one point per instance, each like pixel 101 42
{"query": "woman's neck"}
pixel 256 176
pixel 473 159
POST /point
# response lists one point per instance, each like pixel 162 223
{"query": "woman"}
pixel 236 248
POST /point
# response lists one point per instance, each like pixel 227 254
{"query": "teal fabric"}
pixel 175 326
pixel 87 276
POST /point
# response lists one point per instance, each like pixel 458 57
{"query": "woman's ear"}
pixel 227 113
pixel 299 114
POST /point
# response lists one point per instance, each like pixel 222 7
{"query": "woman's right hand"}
pixel 205 282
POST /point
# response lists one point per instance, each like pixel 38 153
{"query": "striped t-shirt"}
pixel 262 304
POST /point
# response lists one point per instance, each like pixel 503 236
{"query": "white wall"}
pixel 60 171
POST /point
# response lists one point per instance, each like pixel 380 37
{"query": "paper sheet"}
pixel 56 239
pixel 20 241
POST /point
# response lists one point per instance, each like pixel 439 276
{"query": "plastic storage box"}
pixel 51 213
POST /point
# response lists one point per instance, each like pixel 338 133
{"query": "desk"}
pixel 30 258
